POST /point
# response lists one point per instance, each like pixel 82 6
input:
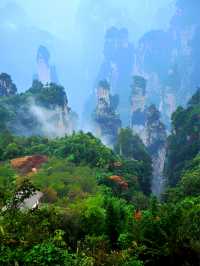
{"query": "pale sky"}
pixel 55 16
pixel 77 29
pixel 59 16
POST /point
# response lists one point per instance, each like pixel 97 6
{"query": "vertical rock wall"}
pixel 7 87
pixel 145 122
pixel 46 73
pixel 156 138
pixel 107 121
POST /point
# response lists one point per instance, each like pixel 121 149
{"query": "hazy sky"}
pixel 76 38
pixel 56 17
pixel 59 17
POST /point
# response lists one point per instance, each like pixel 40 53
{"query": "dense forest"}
pixel 96 206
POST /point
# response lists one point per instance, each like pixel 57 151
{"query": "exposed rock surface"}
pixel 118 59
pixel 107 121
pixel 32 202
pixel 145 122
pixel 169 60
pixel 117 66
pixel 46 73
pixel 138 106
pixel 7 87
pixel 156 138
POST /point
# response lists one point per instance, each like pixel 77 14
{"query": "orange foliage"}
pixel 28 164
pixel 119 180
pixel 138 215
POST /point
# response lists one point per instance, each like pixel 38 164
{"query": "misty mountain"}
pixel 19 41
pixel 75 47
pixel 100 132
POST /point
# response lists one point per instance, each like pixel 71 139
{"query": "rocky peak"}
pixel 42 110
pixel 155 129
pixel 107 121
pixel 103 97
pixel 156 138
pixel 138 106
pixel 7 87
pixel 147 124
pixel 138 97
pixel 46 73
pixel 170 92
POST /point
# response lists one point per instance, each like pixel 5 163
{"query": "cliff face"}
pixel 156 138
pixel 183 56
pixel 138 106
pixel 152 62
pixel 170 94
pixel 169 60
pixel 46 73
pixel 7 87
pixel 117 66
pixel 107 121
pixel 146 123
pixel 118 59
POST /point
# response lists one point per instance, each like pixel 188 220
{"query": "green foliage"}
pixel 12 151
pixel 92 215
pixel 47 254
pixel 65 179
pixel 41 254
pixel 184 141
pixel 7 183
pixel 85 148
pixel 22 192
pixel 78 148
pixel 16 114
pixel 168 234
pixel 118 219
pixel 189 184
pixel 87 219
pixel 47 96
pixel 4 117
pixel 131 147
